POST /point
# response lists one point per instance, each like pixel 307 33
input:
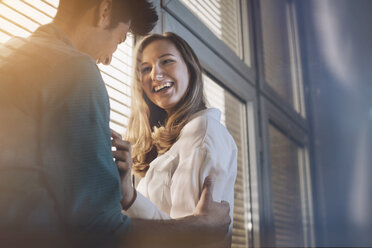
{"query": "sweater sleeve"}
pixel 76 145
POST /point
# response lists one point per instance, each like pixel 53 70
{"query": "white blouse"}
pixel 173 183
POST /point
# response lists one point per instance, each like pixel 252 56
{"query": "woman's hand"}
pixel 123 160
pixel 122 155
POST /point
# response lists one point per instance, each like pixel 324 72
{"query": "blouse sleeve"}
pixel 203 162
pixel 187 182
pixel 184 189
pixel 143 208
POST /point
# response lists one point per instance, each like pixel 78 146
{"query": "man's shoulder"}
pixel 40 52
pixel 44 64
pixel 73 76
pixel 77 65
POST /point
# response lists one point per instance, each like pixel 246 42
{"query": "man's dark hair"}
pixel 141 13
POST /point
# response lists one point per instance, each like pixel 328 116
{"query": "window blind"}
pixel 118 76
pixel 22 17
pixel 288 207
pixel 233 117
pixel 281 52
pixel 222 17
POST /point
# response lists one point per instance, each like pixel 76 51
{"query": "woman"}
pixel 176 141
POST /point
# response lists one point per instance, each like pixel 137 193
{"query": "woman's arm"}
pixel 192 169
pixel 206 227
pixel 123 160
pixel 135 204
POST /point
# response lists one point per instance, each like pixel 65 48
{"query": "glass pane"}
pixel 118 78
pixel 246 36
pixel 281 53
pixel 21 18
pixel 233 116
pixel 222 17
pixel 286 159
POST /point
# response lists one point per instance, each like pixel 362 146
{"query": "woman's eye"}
pixel 167 61
pixel 145 70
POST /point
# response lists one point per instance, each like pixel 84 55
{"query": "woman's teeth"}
pixel 162 86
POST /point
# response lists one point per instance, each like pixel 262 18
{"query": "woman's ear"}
pixel 104 13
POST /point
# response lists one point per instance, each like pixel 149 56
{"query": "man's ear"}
pixel 104 13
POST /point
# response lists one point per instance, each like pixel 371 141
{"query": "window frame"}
pixel 264 87
pixel 272 115
pixel 246 9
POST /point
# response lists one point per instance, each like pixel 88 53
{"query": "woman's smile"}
pixel 163 87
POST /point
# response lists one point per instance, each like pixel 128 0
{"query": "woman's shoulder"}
pixel 205 129
pixel 201 123
pixel 204 120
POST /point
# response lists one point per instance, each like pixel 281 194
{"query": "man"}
pixel 58 178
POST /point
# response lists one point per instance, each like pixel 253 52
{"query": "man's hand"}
pixel 215 215
pixel 206 228
pixel 123 160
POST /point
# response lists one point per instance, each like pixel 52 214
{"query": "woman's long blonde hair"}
pixel 150 130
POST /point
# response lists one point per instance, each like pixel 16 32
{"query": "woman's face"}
pixel 163 74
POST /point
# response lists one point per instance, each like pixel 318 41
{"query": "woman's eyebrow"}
pixel 161 56
pixel 166 54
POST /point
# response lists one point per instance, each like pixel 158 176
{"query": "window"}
pixel 22 17
pixel 286 194
pixel 118 76
pixel 281 52
pixel 287 187
pixel 233 117
pixel 235 49
pixel 222 17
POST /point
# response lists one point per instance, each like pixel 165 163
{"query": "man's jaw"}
pixel 105 60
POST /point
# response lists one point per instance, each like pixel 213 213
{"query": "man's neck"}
pixel 73 34
pixel 80 35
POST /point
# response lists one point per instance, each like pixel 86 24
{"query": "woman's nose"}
pixel 157 74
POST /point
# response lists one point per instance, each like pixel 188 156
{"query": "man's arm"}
pixel 209 225
pixel 76 145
